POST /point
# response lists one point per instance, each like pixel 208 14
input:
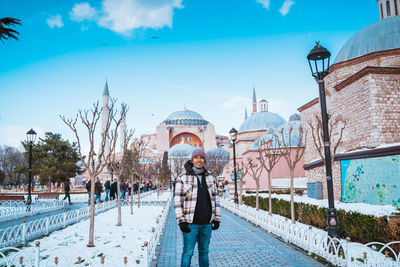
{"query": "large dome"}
pixel 185 117
pixel 181 150
pixel 379 36
pixel 261 121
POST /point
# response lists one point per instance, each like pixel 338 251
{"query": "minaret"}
pixel 105 113
pixel 388 8
pixel 245 113
pixel 254 101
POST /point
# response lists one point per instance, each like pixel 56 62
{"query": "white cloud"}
pixel 82 12
pixel 55 21
pixel 13 135
pixel 123 16
pixel 264 3
pixel 236 102
pixel 286 7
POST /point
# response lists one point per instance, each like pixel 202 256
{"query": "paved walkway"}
pixel 236 243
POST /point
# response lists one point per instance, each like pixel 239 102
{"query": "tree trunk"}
pixel 49 189
pixel 257 198
pixel 91 224
pixel 292 194
pixel 269 193
pixel 119 200
pixel 131 198
pixel 138 196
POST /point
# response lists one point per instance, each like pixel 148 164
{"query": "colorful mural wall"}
pixel 372 180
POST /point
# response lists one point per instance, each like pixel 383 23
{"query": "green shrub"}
pixel 359 227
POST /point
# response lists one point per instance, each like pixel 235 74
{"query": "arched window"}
pixel 396 8
pixel 388 9
pixel 381 11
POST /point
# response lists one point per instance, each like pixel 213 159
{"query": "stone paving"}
pixel 236 243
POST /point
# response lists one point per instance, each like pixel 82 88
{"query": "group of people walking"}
pixel 110 189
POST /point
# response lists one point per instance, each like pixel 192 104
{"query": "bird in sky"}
pixel 155 37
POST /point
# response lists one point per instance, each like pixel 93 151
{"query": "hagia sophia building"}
pixel 362 88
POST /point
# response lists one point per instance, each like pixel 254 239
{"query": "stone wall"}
pixel 368 101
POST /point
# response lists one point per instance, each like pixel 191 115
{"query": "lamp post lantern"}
pixel 30 137
pixel 318 59
pixel 232 137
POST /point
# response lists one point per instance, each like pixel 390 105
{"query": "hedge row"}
pixel 359 227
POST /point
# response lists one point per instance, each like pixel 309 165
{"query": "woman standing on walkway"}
pixel 196 208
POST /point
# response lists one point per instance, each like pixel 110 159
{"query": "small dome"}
pixel 181 150
pixel 295 117
pixel 185 117
pixel 269 136
pixel 294 137
pixel 261 121
pixel 378 36
pixel 275 135
pixel 218 153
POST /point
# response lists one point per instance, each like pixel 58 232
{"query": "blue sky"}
pixel 209 56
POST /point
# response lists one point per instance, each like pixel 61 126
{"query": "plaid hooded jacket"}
pixel 185 197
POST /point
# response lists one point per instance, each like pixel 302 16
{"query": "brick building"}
pixel 363 89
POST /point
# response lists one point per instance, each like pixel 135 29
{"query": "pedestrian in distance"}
pixel 107 187
pixel 197 210
pixel 97 190
pixel 113 190
pixel 88 188
pixel 123 189
pixel 67 187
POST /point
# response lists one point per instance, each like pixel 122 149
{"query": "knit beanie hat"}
pixel 199 152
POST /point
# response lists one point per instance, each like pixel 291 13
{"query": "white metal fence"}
pixel 339 252
pixel 10 210
pixel 11 256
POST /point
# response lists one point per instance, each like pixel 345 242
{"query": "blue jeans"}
pixel 200 233
pixel 97 197
pixel 107 194
pixel 122 194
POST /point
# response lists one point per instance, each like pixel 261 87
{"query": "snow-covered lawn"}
pixel 362 208
pixel 114 242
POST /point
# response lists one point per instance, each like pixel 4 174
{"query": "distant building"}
pixel 254 131
pixel 364 88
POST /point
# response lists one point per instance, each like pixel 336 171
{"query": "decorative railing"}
pixel 339 252
pixel 10 210
pixel 11 256
pixel 151 245
pixel 19 234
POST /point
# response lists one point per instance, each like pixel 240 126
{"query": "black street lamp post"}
pixel 232 135
pixel 31 137
pixel 317 60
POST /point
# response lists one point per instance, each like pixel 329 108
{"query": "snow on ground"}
pixel 109 239
pixel 363 208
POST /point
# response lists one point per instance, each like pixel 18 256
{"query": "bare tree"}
pixel 244 170
pixel 292 144
pixel 89 118
pixel 12 162
pixel 177 162
pixel 335 122
pixel 137 162
pixel 269 154
pixel 254 170
pixel 216 161
pixel 118 167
